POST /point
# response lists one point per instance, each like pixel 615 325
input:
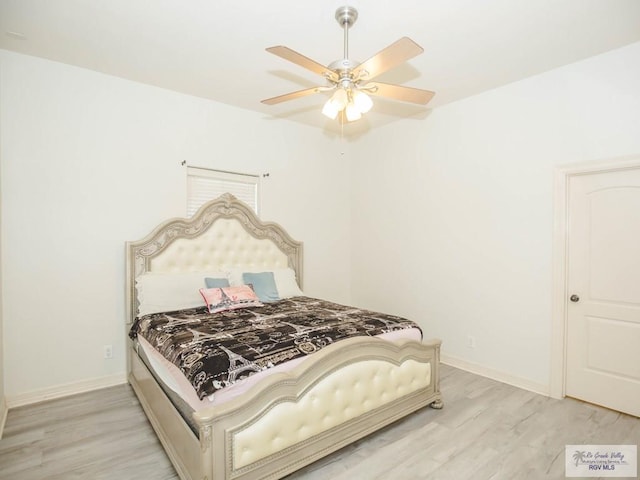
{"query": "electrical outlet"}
pixel 471 341
pixel 108 351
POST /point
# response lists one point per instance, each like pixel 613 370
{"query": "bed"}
pixel 286 418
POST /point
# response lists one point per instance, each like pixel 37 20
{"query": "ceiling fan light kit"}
pixel 350 82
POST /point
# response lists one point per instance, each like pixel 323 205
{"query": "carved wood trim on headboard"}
pixel 140 253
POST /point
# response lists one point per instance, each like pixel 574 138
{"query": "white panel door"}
pixel 603 319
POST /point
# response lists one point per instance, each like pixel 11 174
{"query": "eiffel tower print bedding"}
pixel 216 350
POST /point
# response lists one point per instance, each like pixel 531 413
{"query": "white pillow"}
pixel 285 279
pixel 165 292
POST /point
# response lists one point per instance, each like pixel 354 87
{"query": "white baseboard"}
pixel 3 414
pixel 495 375
pixel 65 390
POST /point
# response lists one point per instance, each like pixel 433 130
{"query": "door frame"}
pixel 562 176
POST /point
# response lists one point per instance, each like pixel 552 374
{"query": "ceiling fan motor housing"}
pixel 343 65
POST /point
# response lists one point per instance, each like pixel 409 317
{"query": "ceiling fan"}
pixel 351 82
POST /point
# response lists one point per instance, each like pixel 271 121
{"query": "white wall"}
pixel 453 215
pixel 450 222
pixel 90 161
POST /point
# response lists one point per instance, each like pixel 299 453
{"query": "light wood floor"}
pixel 486 431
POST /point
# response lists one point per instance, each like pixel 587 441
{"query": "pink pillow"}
pixel 229 298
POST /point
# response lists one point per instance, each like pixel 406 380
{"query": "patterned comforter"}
pixel 216 350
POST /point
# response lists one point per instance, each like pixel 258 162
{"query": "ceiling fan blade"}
pixel 290 96
pixel 397 92
pixel 392 56
pixel 305 62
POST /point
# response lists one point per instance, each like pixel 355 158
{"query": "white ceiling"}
pixel 216 49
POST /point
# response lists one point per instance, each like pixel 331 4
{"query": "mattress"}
pixel 208 359
pixel 174 380
pixel 185 410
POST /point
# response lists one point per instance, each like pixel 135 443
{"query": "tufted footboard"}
pixel 301 416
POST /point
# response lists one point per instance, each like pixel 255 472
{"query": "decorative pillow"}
pixel 229 298
pixel 166 292
pixel 263 284
pixel 216 282
pixel 285 279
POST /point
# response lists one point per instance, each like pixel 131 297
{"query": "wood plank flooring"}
pixel 486 431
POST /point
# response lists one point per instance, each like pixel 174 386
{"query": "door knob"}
pixel 574 298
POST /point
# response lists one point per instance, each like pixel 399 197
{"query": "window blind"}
pixel 204 185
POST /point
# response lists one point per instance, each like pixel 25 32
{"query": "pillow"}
pixel 263 284
pixel 285 279
pixel 166 292
pixel 229 298
pixel 286 283
pixel 216 282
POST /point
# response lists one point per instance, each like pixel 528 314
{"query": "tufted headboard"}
pixel 225 233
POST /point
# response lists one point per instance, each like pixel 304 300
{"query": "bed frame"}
pixel 289 420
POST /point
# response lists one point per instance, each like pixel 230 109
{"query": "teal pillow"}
pixel 216 282
pixel 263 284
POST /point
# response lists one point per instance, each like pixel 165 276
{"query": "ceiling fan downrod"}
pixel 346 16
